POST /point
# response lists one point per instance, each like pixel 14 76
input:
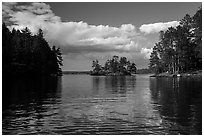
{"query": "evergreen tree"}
pixel 179 49
pixel 114 66
pixel 25 53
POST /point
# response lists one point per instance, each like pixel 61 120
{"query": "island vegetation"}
pixel 76 72
pixel 24 53
pixel 179 49
pixel 114 66
pixel 145 71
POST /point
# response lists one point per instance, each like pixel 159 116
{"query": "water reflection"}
pixel 113 84
pixel 82 104
pixel 179 101
pixel 97 81
pixel 26 101
pixel 116 84
pixel 119 84
pixel 26 89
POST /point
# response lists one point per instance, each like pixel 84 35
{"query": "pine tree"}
pixel 25 53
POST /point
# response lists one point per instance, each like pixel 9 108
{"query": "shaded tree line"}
pixel 144 71
pixel 114 66
pixel 26 54
pixel 179 49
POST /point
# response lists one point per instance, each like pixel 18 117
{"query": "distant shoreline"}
pixel 87 72
pixel 186 74
pixel 76 72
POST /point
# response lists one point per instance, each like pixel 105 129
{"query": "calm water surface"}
pixel 83 104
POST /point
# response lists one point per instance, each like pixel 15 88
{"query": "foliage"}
pixel 179 49
pixel 145 71
pixel 24 53
pixel 114 66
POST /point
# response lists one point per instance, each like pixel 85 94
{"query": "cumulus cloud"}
pixel 7 7
pixel 146 52
pixel 81 34
pixel 7 10
pixel 36 8
pixel 71 36
pixel 157 27
pixel 79 40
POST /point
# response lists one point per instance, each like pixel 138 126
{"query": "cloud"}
pixel 71 36
pixel 157 27
pixel 36 8
pixel 7 10
pixel 146 52
pixel 7 7
pixel 83 35
pixel 78 40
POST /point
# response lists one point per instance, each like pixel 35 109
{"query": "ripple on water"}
pixel 109 105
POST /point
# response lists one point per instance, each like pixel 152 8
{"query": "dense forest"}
pixel 26 54
pixel 114 66
pixel 179 49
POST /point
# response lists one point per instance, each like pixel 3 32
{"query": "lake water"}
pixel 83 104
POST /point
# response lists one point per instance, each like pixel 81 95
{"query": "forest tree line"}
pixel 26 54
pixel 179 49
pixel 114 66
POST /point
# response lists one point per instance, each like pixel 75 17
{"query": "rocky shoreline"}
pixel 186 74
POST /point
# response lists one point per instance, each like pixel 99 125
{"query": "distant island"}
pixel 76 72
pixel 139 71
pixel 114 66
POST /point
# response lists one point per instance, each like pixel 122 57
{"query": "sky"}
pixel 87 31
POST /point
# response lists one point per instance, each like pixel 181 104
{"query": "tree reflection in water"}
pixel 179 100
pixel 30 90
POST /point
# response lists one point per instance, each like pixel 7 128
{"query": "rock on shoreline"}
pixel 186 74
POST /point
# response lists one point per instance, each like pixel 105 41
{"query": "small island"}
pixel 113 67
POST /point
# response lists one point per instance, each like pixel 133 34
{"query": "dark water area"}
pixel 83 104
